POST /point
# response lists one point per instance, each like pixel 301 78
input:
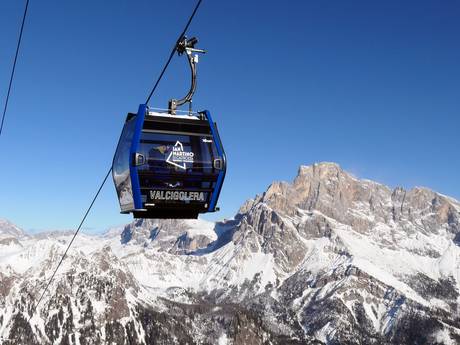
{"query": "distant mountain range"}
pixel 326 259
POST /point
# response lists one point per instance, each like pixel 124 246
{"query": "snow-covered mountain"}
pixel 326 259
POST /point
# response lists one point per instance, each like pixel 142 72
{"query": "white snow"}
pixel 386 251
pixel 223 340
pixel 201 227
pixel 443 337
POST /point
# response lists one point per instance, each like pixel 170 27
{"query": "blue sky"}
pixel 371 85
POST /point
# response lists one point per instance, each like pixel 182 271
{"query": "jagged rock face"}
pixel 360 204
pixel 172 235
pixel 326 259
pixel 8 229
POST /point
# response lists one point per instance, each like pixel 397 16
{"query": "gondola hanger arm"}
pixel 187 46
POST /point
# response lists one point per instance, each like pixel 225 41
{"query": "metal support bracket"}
pixel 187 46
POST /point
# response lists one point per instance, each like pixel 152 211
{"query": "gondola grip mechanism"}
pixel 187 46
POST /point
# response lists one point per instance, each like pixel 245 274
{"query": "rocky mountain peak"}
pixel 325 172
pixel 323 186
pixel 364 205
pixel 9 230
pixel 320 169
pixel 170 235
pixel 325 259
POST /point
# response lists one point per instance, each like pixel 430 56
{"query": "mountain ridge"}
pixel 325 259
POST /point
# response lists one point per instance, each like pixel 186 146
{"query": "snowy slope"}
pixel 327 258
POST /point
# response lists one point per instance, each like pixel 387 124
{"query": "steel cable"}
pixel 34 308
pixel 14 67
